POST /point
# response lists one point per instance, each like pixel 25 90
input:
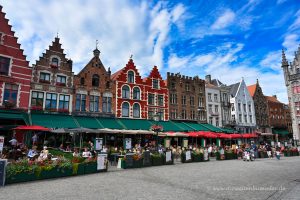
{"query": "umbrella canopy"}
pixel 197 134
pixel 210 135
pixel 235 136
pixel 31 128
pixel 60 130
pixel 249 135
pixel 224 136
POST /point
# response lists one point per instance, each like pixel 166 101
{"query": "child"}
pixel 278 154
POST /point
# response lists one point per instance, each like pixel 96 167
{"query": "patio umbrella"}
pixel 31 128
pixel 235 136
pixel 210 135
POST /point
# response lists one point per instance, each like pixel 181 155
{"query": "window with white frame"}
pixel 51 101
pixel 64 102
pixel 80 104
pixel 125 109
pixel 37 99
pixel 155 84
pixel 160 100
pixel 10 93
pixel 94 103
pixel 151 99
pixel 136 110
pixel 136 93
pixel 4 65
pixel 125 92
pixel 130 77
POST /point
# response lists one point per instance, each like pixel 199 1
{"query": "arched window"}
pixel 125 92
pixel 54 61
pixel 95 80
pixel 136 93
pixel 125 109
pixel 136 110
pixel 130 78
pixel 81 81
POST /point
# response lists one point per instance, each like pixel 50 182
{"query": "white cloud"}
pixel 224 20
pixel 280 1
pixel 272 60
pixel 296 23
pixel 291 42
pixel 122 28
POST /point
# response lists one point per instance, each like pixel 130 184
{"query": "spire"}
pixel 96 51
pixel 284 62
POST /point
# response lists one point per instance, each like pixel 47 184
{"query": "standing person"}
pixel 278 154
pixel 209 150
pixel 269 150
pixel 91 146
pixel 34 139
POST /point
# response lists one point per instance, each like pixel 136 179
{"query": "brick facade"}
pixel 15 73
pixel 52 81
pixel 186 98
pixel 94 92
pixel 276 112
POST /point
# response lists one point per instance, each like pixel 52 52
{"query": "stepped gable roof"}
pixel 252 89
pixel 115 75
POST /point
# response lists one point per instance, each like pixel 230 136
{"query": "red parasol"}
pixel 235 136
pixel 31 128
pixel 210 135
pixel 249 135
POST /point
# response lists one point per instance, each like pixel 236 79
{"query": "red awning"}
pixel 224 136
pixel 235 136
pixel 249 135
pixel 196 134
pixel 32 128
pixel 210 135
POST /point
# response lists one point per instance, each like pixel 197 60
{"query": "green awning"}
pixel 228 130
pixel 136 124
pixel 169 126
pixel 212 128
pixel 280 131
pixel 196 126
pixel 110 123
pixel 183 126
pixel 11 115
pixel 53 120
pixel 88 122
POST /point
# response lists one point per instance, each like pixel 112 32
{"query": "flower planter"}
pixel 90 168
pixel 137 163
pixel 230 156
pixel 20 177
pixel 65 172
pixel 157 160
pixel 47 174
pixel 78 169
pixel 197 157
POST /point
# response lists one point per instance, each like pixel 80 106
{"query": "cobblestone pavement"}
pixel 235 179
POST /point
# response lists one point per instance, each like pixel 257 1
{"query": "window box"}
pixel 37 108
pixel 53 66
pixel 63 110
pixel 51 109
pixel 9 104
pixel 44 81
pixel 60 84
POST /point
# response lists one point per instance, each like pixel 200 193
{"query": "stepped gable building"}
pixel 261 108
pixel 94 92
pixel 186 98
pixel 15 73
pixel 157 95
pixel 213 102
pixel 52 81
pixel 277 115
pixel 292 81
pixel 131 97
pixel 242 108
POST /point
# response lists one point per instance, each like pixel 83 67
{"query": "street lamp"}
pixel 156 118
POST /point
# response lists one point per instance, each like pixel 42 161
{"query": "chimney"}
pixel 275 96
pixel 208 78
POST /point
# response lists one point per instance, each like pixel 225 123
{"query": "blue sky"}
pixel 227 39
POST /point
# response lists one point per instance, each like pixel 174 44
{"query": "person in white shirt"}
pixel 104 149
pixel 86 153
pixel 13 142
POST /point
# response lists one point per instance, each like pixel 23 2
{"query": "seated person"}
pixel 32 153
pixel 44 154
pixel 68 148
pixel 61 147
pixel 86 153
pixel 76 153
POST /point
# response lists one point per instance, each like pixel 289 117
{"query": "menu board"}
pixel 185 143
pixel 168 156
pixel 1 143
pixel 129 160
pixel 147 158
pixel 127 143
pixel 2 171
pixel 101 161
pixel 188 155
pixel 167 143
pixel 99 144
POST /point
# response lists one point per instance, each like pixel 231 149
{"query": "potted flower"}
pixel 20 171
pixel 90 165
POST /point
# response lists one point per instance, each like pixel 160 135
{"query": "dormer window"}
pixel 54 62
pixel 155 84
pixel 130 77
pixel 95 80
pixel 4 65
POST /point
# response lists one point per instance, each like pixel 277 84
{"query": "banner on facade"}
pixel 98 144
pixel 101 162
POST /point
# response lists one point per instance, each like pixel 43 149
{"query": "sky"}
pixel 226 39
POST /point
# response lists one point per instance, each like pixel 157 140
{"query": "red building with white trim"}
pixel 138 98
pixel 15 73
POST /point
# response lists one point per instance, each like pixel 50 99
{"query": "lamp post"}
pixel 156 118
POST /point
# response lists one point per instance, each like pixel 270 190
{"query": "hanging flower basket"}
pixel 156 128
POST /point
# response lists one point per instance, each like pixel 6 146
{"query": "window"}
pixel 245 118
pixel 200 101
pixel 130 77
pixel 239 106
pixel 192 101
pixel 37 99
pixel 125 92
pixel 209 97
pixel 4 65
pixel 80 102
pixel 173 85
pixel 155 84
pixel 161 114
pixel 173 114
pixel 240 118
pixel 183 100
pixel 94 103
pixel 224 97
pixel 183 114
pixel 44 77
pixel 125 109
pixel 51 100
pixel 136 110
pixel 151 99
pixel 151 113
pixel 173 98
pixel 250 117
pixel 95 80
pixel 192 114
pixel 64 102
pixel 232 107
pixel 54 62
pixel 216 109
pixel 215 98
pixel 233 117
pixel 136 93
pixel 210 121
pixel 106 104
pixel 200 89
pixel 161 100
pixel 244 106
pixel 10 93
pixel 217 121
pixel 187 87
pixel 210 108
pixel 249 108
pixel 61 80
pixel 81 81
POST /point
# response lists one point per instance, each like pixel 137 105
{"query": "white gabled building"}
pixel 242 108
